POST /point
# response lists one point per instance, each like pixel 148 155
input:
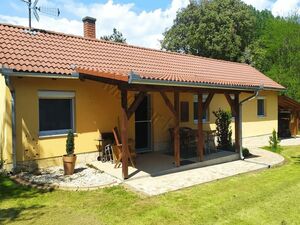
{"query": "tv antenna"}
pixel 32 7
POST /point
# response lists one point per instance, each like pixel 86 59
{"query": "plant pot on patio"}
pixel 69 159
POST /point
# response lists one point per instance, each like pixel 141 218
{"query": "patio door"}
pixel 143 137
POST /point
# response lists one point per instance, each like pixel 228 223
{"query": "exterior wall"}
pixel 97 110
pixel 5 123
pixel 256 130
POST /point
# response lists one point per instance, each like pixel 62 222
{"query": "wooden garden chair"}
pixel 118 150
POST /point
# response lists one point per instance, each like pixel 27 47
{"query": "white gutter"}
pixel 11 73
pixel 241 118
pixel 136 79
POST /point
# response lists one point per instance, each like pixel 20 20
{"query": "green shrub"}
pixel 274 142
pixel 246 152
pixel 224 132
pixel 70 143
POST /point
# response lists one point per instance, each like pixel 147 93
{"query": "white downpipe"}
pixel 13 121
pixel 241 119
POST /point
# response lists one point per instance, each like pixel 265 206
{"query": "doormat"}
pixel 186 162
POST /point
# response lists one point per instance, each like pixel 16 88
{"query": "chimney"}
pixel 89 27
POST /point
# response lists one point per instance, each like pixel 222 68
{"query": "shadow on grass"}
pixel 13 214
pixel 11 190
pixel 296 159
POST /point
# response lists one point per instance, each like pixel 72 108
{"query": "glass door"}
pixel 143 126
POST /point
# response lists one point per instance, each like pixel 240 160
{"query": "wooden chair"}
pixel 118 150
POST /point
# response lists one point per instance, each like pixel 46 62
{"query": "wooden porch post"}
pixel 200 146
pixel 124 133
pixel 236 122
pixel 297 123
pixel 176 129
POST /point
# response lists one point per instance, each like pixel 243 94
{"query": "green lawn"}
pixel 267 197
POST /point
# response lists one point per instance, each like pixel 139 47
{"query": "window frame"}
pixel 57 95
pixel 195 100
pixel 264 105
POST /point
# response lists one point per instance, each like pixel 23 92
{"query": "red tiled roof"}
pixel 50 52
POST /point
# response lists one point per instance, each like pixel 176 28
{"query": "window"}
pixel 56 112
pixel 261 111
pixel 205 114
pixel 184 111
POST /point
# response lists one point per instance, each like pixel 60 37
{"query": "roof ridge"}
pixel 123 44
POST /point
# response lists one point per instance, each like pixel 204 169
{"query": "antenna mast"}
pixel 35 9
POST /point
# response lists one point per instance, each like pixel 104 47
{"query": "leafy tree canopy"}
pixel 232 30
pixel 116 36
pixel 219 29
pixel 277 53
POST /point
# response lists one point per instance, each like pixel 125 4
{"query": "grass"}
pixel 267 197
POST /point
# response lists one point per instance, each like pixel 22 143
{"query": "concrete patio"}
pixel 155 164
pixel 155 185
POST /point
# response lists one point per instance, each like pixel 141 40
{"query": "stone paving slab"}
pixel 175 181
pixel 290 141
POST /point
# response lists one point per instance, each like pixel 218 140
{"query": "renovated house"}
pixel 53 82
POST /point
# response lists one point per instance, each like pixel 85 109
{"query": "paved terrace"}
pixel 170 182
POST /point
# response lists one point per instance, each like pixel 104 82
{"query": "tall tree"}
pixel 277 53
pixel 116 36
pixel 219 29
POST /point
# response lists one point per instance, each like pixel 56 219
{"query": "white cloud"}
pixel 278 7
pixel 143 28
pixel 259 4
pixel 285 8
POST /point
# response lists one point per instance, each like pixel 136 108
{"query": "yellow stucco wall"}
pixel 5 123
pixel 97 109
pixel 252 124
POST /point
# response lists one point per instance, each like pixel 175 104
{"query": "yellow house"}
pixel 52 82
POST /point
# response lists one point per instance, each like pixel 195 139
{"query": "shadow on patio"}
pixel 160 163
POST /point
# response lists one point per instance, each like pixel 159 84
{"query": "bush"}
pixel 274 142
pixel 224 132
pixel 246 152
pixel 70 143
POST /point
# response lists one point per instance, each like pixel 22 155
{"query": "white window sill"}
pixel 262 116
pixel 54 136
pixel 203 121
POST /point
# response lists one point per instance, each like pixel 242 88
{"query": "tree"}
pixel 219 29
pixel 116 36
pixel 277 53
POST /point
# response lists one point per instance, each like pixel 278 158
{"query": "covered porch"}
pixel 155 163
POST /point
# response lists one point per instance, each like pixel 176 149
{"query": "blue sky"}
pixel 142 22
pixel 14 7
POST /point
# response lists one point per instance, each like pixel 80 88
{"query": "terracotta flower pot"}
pixel 69 164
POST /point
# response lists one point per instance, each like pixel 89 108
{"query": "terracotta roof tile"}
pixel 50 52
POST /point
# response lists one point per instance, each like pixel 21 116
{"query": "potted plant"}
pixel 70 158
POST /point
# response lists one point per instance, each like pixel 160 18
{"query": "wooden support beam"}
pixel 231 104
pixel 297 123
pixel 168 102
pixel 208 101
pixel 137 101
pixel 237 121
pixel 200 144
pixel 124 133
pixel 176 130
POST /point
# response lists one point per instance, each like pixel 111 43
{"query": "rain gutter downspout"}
pixel 241 118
